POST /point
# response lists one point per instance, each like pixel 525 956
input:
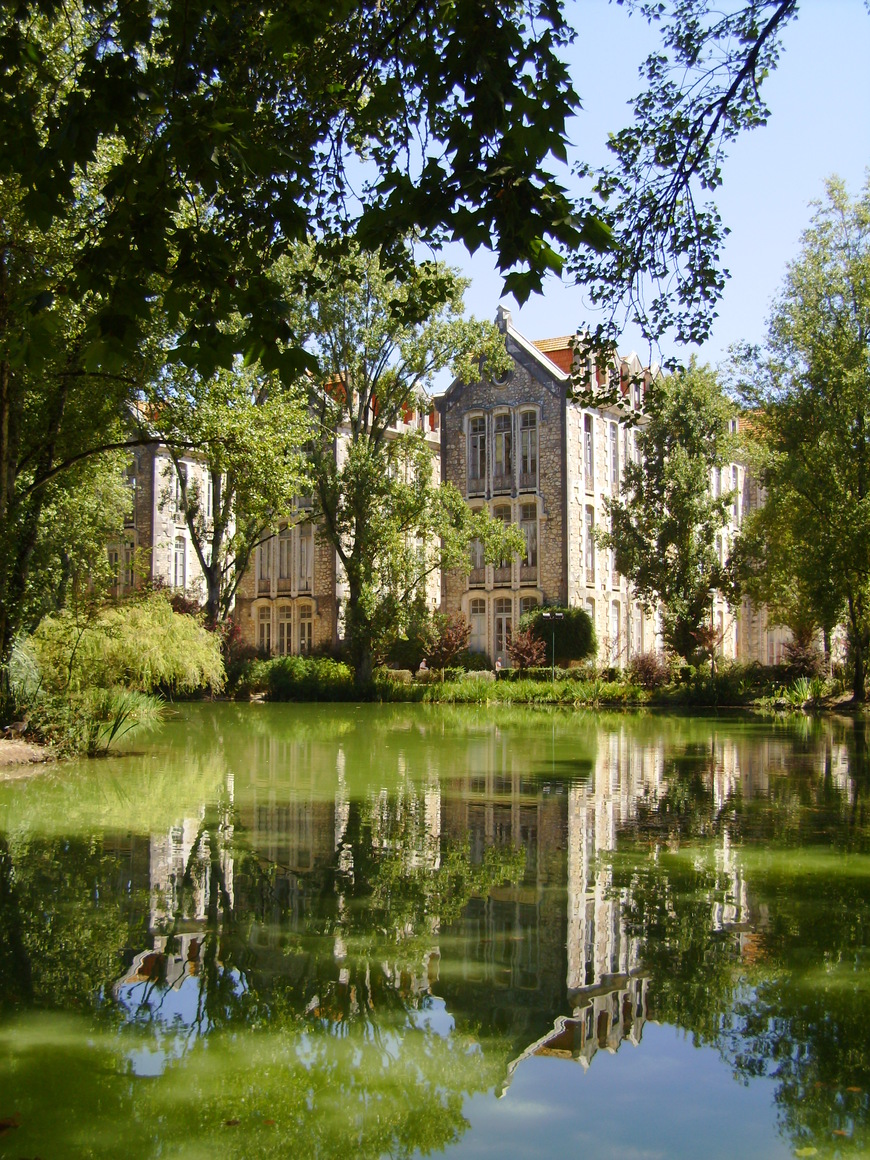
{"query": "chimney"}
pixel 502 319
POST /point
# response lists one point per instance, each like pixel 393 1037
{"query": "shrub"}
pixel 474 662
pixel 804 659
pixel 296 678
pixel 573 635
pixel 650 670
pixel 141 644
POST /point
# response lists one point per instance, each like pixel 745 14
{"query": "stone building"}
pixel 156 546
pixel 290 600
pixel 521 448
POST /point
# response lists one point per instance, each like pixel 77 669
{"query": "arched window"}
pixel 264 628
pixel 529 528
pixel 477 620
pixel 179 572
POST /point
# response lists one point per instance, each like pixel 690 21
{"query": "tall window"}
pixel 306 625
pixel 503 622
pixel 477 556
pixel 264 629
pixel 529 448
pixel 614 458
pixel 179 574
pixel 589 452
pixel 306 557
pixel 285 554
pixel 503 449
pixel 128 577
pixel 264 561
pixel 614 631
pixel 115 568
pixel 529 528
pixel 735 487
pixel 590 544
pixel 477 453
pixel 502 569
pixel 180 486
pixel 208 494
pixel 285 626
pixel 590 609
pixel 477 619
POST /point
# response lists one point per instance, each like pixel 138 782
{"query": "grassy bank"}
pixel 732 686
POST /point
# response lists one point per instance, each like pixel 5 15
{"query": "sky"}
pixel 819 101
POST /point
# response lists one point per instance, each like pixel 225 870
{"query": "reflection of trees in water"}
pixel 782 990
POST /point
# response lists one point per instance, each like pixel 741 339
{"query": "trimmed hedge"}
pixel 573 635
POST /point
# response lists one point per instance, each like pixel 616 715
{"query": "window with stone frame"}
pixel 264 628
pixel 477 575
pixel 477 455
pixel 306 628
pixel 264 565
pixel 502 475
pixel 614 458
pixel 589 543
pixel 528 450
pixel 529 529
pixel 306 557
pixel 477 620
pixel 502 572
pixel 179 570
pixel 285 559
pixel 589 452
pixel 528 604
pixel 503 627
pixel 285 629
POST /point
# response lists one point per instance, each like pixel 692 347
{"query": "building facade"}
pixel 520 447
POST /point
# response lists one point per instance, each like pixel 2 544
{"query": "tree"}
pixel 663 528
pixel 159 158
pixel 248 432
pixel 810 389
pixel 526 650
pixel 572 634
pixel 452 638
pixel 392 526
pixel 703 89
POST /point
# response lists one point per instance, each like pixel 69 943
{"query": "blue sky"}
pixel 819 125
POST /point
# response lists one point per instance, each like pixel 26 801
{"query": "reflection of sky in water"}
pixel 666 1098
pixel 432 1015
pixel 175 1014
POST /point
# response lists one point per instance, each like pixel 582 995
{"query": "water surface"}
pixel 415 930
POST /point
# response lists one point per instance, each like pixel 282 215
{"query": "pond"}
pixel 322 931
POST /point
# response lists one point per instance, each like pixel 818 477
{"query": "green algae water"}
pixel 395 931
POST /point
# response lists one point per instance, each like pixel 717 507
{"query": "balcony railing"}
pixel 477 577
pixel 528 481
pixel 264 584
pixel 528 573
pixel 502 483
pixel 502 574
pixel 476 485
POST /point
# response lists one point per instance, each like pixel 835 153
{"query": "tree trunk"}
pixel 360 637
